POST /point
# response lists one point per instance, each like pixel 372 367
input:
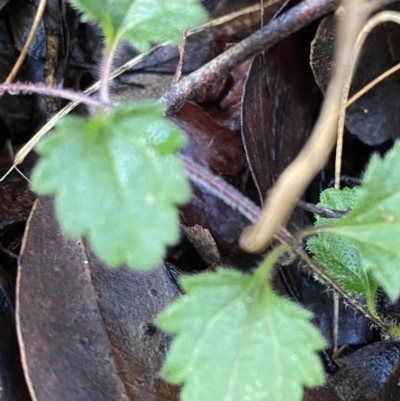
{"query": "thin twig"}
pixel 29 88
pixel 227 193
pixel 220 188
pixel 182 51
pixel 314 155
pixel 291 21
pixel 233 198
pixel 24 151
pixel 320 211
pixel 262 13
pixel 384 16
pixel 8 252
pixel 299 251
pixel 31 36
pixel 373 83
pixel 284 25
pixel 227 18
pixel 336 315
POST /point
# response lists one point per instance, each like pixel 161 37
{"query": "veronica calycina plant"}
pixel 117 181
pixel 115 177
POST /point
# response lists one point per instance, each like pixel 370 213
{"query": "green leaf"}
pixel 373 226
pixel 338 257
pixel 237 341
pixel 336 199
pixel 116 181
pixel 143 21
pixel 342 262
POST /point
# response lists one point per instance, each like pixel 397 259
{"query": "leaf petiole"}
pixel 108 57
pixel 264 271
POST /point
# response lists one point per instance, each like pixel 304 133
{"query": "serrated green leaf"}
pixel 237 341
pixel 336 199
pixel 373 226
pixel 338 257
pixel 342 262
pixel 143 21
pixel 116 181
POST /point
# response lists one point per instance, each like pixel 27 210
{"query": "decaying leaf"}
pixel 362 375
pixel 324 393
pixel 203 242
pixel 209 142
pixel 373 117
pixel 86 332
pixel 279 105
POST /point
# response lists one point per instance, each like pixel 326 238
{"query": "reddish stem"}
pixel 29 88
pixel 233 198
pixel 106 66
pixel 230 195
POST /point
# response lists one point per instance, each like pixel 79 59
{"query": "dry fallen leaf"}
pixel 86 332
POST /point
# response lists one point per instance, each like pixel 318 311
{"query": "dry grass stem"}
pixel 24 151
pixel 24 52
pixel 314 155
pixel 384 16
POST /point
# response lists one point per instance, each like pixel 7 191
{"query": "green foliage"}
pixel 117 181
pixel 336 199
pixel 142 21
pixel 237 341
pixel 373 226
pixel 337 256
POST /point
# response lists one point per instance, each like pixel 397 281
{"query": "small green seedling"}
pixel 116 180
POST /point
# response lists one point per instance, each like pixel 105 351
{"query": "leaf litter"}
pixel 205 211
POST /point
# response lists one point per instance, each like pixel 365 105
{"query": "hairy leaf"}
pixel 117 181
pixel 237 341
pixel 336 199
pixel 338 257
pixel 373 226
pixel 142 21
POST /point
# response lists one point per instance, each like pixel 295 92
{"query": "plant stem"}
pixel 24 151
pixel 291 21
pixel 29 88
pixel 230 195
pixel 106 66
pixel 233 198
pixel 220 188
pixel 371 305
pixel 299 251
pixel 320 211
pixel 314 155
pixel 29 40
pixel 264 270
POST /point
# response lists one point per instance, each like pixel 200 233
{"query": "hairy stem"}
pixel 265 269
pixel 299 251
pixel 106 66
pixel 233 198
pixel 228 194
pixel 371 303
pixel 28 88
